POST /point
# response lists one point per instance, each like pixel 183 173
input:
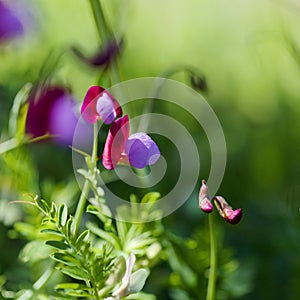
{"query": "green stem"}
pixel 105 34
pixel 211 288
pixel 100 20
pixel 82 200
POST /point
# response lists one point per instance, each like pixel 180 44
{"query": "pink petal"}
pixel 204 202
pixel 93 106
pixel 233 216
pixel 88 109
pixel 115 143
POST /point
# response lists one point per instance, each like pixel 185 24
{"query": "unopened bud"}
pixel 204 202
pixel 226 211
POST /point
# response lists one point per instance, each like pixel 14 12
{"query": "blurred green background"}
pixel 248 53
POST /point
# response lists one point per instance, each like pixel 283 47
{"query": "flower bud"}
pixel 226 211
pixel 204 202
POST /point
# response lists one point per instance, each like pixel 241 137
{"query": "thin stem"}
pixel 105 34
pixel 100 20
pixel 211 288
pixel 82 200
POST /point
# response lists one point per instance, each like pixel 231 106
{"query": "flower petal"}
pixel 234 216
pixel 10 25
pixel 108 108
pixel 41 101
pixel 99 103
pixel 88 108
pixel 141 150
pixel 226 211
pixel 63 120
pixel 115 143
pixel 104 55
pixel 51 110
pixel 204 199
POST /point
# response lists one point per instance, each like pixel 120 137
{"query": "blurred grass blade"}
pixel 17 118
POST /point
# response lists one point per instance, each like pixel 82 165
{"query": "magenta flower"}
pixel 100 104
pixel 51 111
pixel 226 211
pixel 204 199
pixel 10 24
pixel 137 150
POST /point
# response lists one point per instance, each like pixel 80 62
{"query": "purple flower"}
pixel 141 150
pixel 204 202
pixel 51 111
pixel 100 104
pixel 104 56
pixel 10 24
pixel 137 150
pixel 226 211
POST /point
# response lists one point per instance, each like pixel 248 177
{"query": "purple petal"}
pixel 141 150
pixel 105 108
pixel 10 25
pixel 104 55
pixel 63 120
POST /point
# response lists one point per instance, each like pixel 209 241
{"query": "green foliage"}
pixel 189 260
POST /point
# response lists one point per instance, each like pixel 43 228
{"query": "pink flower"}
pixel 137 150
pixel 100 104
pixel 226 211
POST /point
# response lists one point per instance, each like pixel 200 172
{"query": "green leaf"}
pixel 65 259
pixel 43 205
pixel 73 286
pixel 62 214
pixel 108 236
pixel 52 231
pixel 150 197
pixel 53 210
pixel 83 236
pixel 58 245
pixel 68 228
pixel 122 229
pixel 78 293
pixel 16 125
pixel 75 272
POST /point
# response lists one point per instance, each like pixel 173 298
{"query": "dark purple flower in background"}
pixel 204 199
pixel 226 212
pixel 104 56
pixel 137 150
pixel 51 111
pixel 10 23
pixel 100 104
